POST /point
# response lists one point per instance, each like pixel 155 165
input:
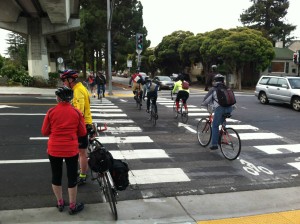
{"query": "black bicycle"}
pixel 182 112
pixel 103 178
pixel 153 114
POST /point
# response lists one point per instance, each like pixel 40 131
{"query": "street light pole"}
pixel 109 16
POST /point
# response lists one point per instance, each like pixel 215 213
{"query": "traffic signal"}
pixel 139 41
pixel 295 58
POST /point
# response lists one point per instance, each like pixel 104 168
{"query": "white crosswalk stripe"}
pixel 278 149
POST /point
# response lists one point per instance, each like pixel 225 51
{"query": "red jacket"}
pixel 63 124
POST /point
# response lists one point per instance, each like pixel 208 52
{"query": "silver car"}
pixel 282 89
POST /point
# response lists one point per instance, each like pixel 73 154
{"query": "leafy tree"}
pixel 167 52
pixel 268 17
pixel 17 50
pixel 189 50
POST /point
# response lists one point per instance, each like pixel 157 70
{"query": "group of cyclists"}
pixel 74 93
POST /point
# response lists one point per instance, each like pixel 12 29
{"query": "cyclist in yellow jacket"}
pixel 81 101
pixel 183 92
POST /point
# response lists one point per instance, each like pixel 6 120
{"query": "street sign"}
pixel 129 63
pixel 60 60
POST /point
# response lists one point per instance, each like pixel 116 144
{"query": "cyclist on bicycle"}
pixel 150 89
pixel 182 94
pixel 80 101
pixel 137 82
pixel 211 100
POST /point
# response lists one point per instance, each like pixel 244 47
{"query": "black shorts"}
pixel 83 142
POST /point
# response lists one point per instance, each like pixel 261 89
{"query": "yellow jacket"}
pixel 81 101
pixel 178 87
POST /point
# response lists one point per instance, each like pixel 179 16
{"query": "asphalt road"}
pixel 165 160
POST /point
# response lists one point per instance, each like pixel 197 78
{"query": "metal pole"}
pixel 109 48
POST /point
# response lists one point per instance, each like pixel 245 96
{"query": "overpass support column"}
pixel 37 50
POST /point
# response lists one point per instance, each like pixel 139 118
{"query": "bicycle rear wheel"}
pixel 175 110
pixel 204 132
pixel 100 96
pixel 110 194
pixel 184 115
pixel 153 116
pixel 230 144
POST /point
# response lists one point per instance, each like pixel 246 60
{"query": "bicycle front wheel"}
pixel 110 195
pixel 204 132
pixel 230 144
pixel 153 116
pixel 184 115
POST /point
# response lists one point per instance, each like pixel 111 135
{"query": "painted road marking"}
pixel 103 106
pixel 277 149
pixel 152 176
pixel 130 139
pixel 139 154
pixel 123 129
pixel 257 136
pixel 295 164
pixel 21 114
pixel 108 115
pixel 242 127
pixel 113 121
pixel 106 110
pixel 189 106
pixel 24 161
pixel 6 106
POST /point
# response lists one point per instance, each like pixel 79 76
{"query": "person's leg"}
pixel 215 127
pixel 185 96
pixel 56 167
pixel 103 90
pixel 98 90
pixel 83 159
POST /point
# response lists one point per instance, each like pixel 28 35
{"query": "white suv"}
pixel 283 89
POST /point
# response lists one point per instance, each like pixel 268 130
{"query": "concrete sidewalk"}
pixel 257 207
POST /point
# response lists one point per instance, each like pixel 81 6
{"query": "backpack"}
pixel 119 173
pixel 100 160
pixel 225 96
pixel 185 85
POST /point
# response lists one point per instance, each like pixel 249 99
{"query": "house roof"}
pixel 283 53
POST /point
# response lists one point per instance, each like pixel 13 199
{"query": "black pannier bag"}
pixel 100 160
pixel 119 172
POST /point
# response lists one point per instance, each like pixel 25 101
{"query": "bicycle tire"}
pixel 230 144
pixel 175 113
pixel 184 115
pixel 153 116
pixel 204 132
pixel 100 96
pixel 110 195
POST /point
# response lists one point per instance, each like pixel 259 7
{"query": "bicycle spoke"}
pixel 109 195
pixel 230 144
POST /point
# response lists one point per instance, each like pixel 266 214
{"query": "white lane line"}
pixel 257 136
pixel 189 106
pixel 24 161
pixel 139 154
pixel 123 129
pixel 22 114
pixel 105 110
pixel 131 139
pixel 6 106
pixel 295 164
pixel 198 114
pixel 104 107
pixel 113 121
pixel 275 149
pixel 243 127
pixel 228 120
pixel 109 115
pixel 103 104
pixel 151 176
pixel 166 103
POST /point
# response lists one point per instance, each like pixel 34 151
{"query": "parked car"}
pixel 164 82
pixel 281 89
pixel 144 75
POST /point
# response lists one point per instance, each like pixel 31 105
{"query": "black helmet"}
pixel 219 78
pixel 64 93
pixel 214 68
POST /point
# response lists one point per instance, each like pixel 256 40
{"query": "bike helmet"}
pixel 69 73
pixel 180 77
pixel 219 78
pixel 64 93
pixel 214 68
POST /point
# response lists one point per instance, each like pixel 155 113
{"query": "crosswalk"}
pixel 121 129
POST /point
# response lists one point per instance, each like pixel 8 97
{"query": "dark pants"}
pixel 57 170
pixel 184 95
pixel 99 87
pixel 152 95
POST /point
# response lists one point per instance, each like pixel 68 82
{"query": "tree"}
pixel 167 52
pixel 17 49
pixel 268 17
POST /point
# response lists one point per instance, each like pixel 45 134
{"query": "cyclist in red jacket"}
pixel 64 124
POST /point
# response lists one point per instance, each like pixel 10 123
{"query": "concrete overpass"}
pixel 48 25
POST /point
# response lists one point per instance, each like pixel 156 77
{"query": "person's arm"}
pixel 130 80
pixel 46 128
pixel 208 98
pixel 175 87
pixel 78 100
pixel 81 126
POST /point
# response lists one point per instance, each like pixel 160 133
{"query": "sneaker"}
pixel 81 181
pixel 60 207
pixel 213 147
pixel 78 208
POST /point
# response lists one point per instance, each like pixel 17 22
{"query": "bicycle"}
pixel 138 98
pixel 229 139
pixel 153 114
pixel 183 113
pixel 100 95
pixel 103 178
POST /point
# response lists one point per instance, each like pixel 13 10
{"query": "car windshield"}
pixel 295 83
pixel 164 78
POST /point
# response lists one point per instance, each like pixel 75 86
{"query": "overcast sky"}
pixel 162 17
